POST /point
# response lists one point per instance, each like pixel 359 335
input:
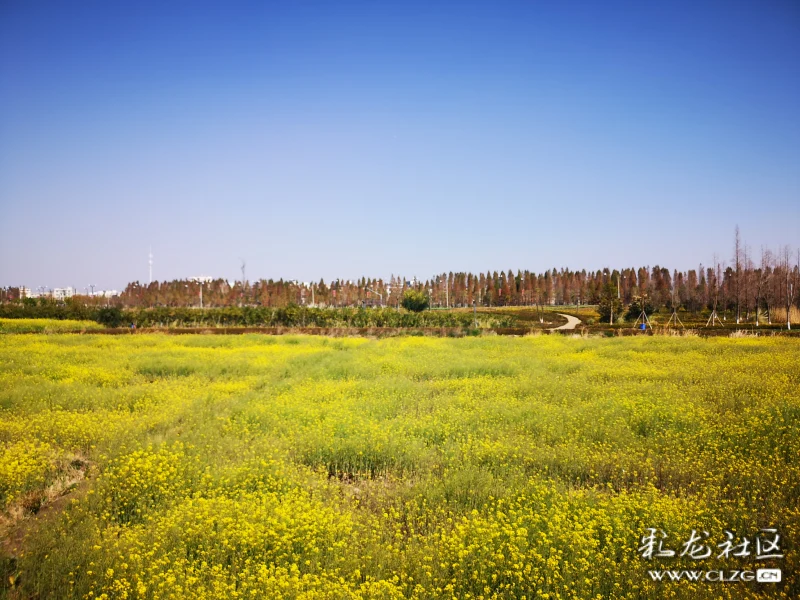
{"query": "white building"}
pixel 63 293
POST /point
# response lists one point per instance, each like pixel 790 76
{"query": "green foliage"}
pixel 609 304
pixel 415 301
pixel 635 308
pixel 110 316
pixel 258 316
pixel 303 316
pixel 46 308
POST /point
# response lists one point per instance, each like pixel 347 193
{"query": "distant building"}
pixel 202 279
pixel 40 293
pixel 24 292
pixel 63 293
pixel 106 293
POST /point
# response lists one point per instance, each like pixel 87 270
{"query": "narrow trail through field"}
pixel 571 323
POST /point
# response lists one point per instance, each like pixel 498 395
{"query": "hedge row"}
pixel 292 316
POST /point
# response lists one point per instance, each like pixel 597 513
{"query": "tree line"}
pixel 747 286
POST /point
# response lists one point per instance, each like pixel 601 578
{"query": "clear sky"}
pixel 340 139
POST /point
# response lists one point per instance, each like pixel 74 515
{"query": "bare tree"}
pixel 772 297
pixel 737 257
pixel 760 280
pixel 793 288
pixel 244 280
pixel 713 286
pixel 748 272
pixel 785 260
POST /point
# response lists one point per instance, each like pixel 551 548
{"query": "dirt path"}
pixel 571 323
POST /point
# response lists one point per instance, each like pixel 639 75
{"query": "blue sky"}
pixel 369 138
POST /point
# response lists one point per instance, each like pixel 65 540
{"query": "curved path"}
pixel 571 323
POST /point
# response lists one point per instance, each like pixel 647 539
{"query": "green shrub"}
pixel 110 316
pixel 415 301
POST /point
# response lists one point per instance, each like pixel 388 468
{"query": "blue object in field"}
pixel 643 327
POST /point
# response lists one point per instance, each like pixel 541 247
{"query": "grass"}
pixel 536 318
pixel 247 466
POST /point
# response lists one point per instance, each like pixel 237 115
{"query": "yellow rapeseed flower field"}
pixel 46 326
pixel 409 467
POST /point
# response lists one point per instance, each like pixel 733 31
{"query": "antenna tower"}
pixel 150 263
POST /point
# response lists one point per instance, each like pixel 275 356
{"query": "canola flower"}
pixel 46 325
pixel 304 467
